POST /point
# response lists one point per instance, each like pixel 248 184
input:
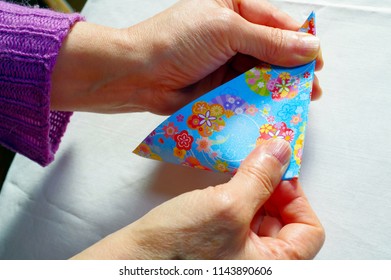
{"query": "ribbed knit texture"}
pixel 30 41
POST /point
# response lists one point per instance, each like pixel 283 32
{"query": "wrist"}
pixel 129 243
pixel 98 69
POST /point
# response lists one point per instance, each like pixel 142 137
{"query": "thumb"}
pixel 273 45
pixel 259 174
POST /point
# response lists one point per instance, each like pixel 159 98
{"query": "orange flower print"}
pixel 144 150
pixel 229 113
pixel 179 153
pixel 200 107
pixel 183 140
pixel 216 110
pixel 221 166
pixel 285 76
pixel 191 161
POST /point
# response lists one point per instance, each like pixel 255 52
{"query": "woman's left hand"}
pixel 163 63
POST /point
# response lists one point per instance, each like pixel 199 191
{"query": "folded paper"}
pixel 218 130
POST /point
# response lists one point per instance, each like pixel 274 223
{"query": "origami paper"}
pixel 219 129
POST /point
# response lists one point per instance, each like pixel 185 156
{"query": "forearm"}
pixel 30 40
pixel 99 69
pixel 124 244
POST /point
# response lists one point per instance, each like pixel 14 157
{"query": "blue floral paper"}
pixel 218 130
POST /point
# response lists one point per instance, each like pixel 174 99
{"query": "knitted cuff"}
pixel 30 41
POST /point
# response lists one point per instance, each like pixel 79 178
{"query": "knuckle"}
pixel 223 202
pixel 261 176
pixel 276 44
pixel 224 20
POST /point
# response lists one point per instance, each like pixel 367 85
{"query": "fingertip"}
pixel 319 61
pixel 259 174
pixel 307 46
pixel 316 90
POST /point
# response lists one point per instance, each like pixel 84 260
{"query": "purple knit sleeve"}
pixel 30 40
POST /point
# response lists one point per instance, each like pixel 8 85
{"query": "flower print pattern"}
pixel 277 130
pixel 179 153
pixel 170 130
pixel 204 144
pixel 251 110
pixel 298 149
pixel 288 135
pixel 221 166
pixel 180 118
pixel 144 150
pixel 194 162
pixel 296 119
pixel 218 130
pixel 207 118
pixel 284 86
pixel 258 79
pixel 194 121
pixel 183 140
pixel 287 111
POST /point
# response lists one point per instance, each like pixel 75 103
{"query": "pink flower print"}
pixel 275 95
pixel 270 119
pixel 207 118
pixel 180 118
pixel 296 119
pixel 170 130
pixel 214 155
pixel 204 144
pixel 280 126
pixel 251 110
pixel 251 81
pixel 183 140
pixel 307 75
pixel 256 72
pixel 288 135
pixel 271 84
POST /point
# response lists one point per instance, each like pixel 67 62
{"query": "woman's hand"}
pixel 253 216
pixel 166 61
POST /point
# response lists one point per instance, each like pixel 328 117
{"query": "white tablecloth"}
pixel 96 185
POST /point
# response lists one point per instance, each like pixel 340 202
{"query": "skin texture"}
pixel 253 216
pixel 163 63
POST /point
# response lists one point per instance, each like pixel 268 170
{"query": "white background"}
pixel 96 185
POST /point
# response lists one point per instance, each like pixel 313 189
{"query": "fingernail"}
pixel 308 45
pixel 280 149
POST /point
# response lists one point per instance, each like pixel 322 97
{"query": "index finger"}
pixel 303 230
pixel 264 13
